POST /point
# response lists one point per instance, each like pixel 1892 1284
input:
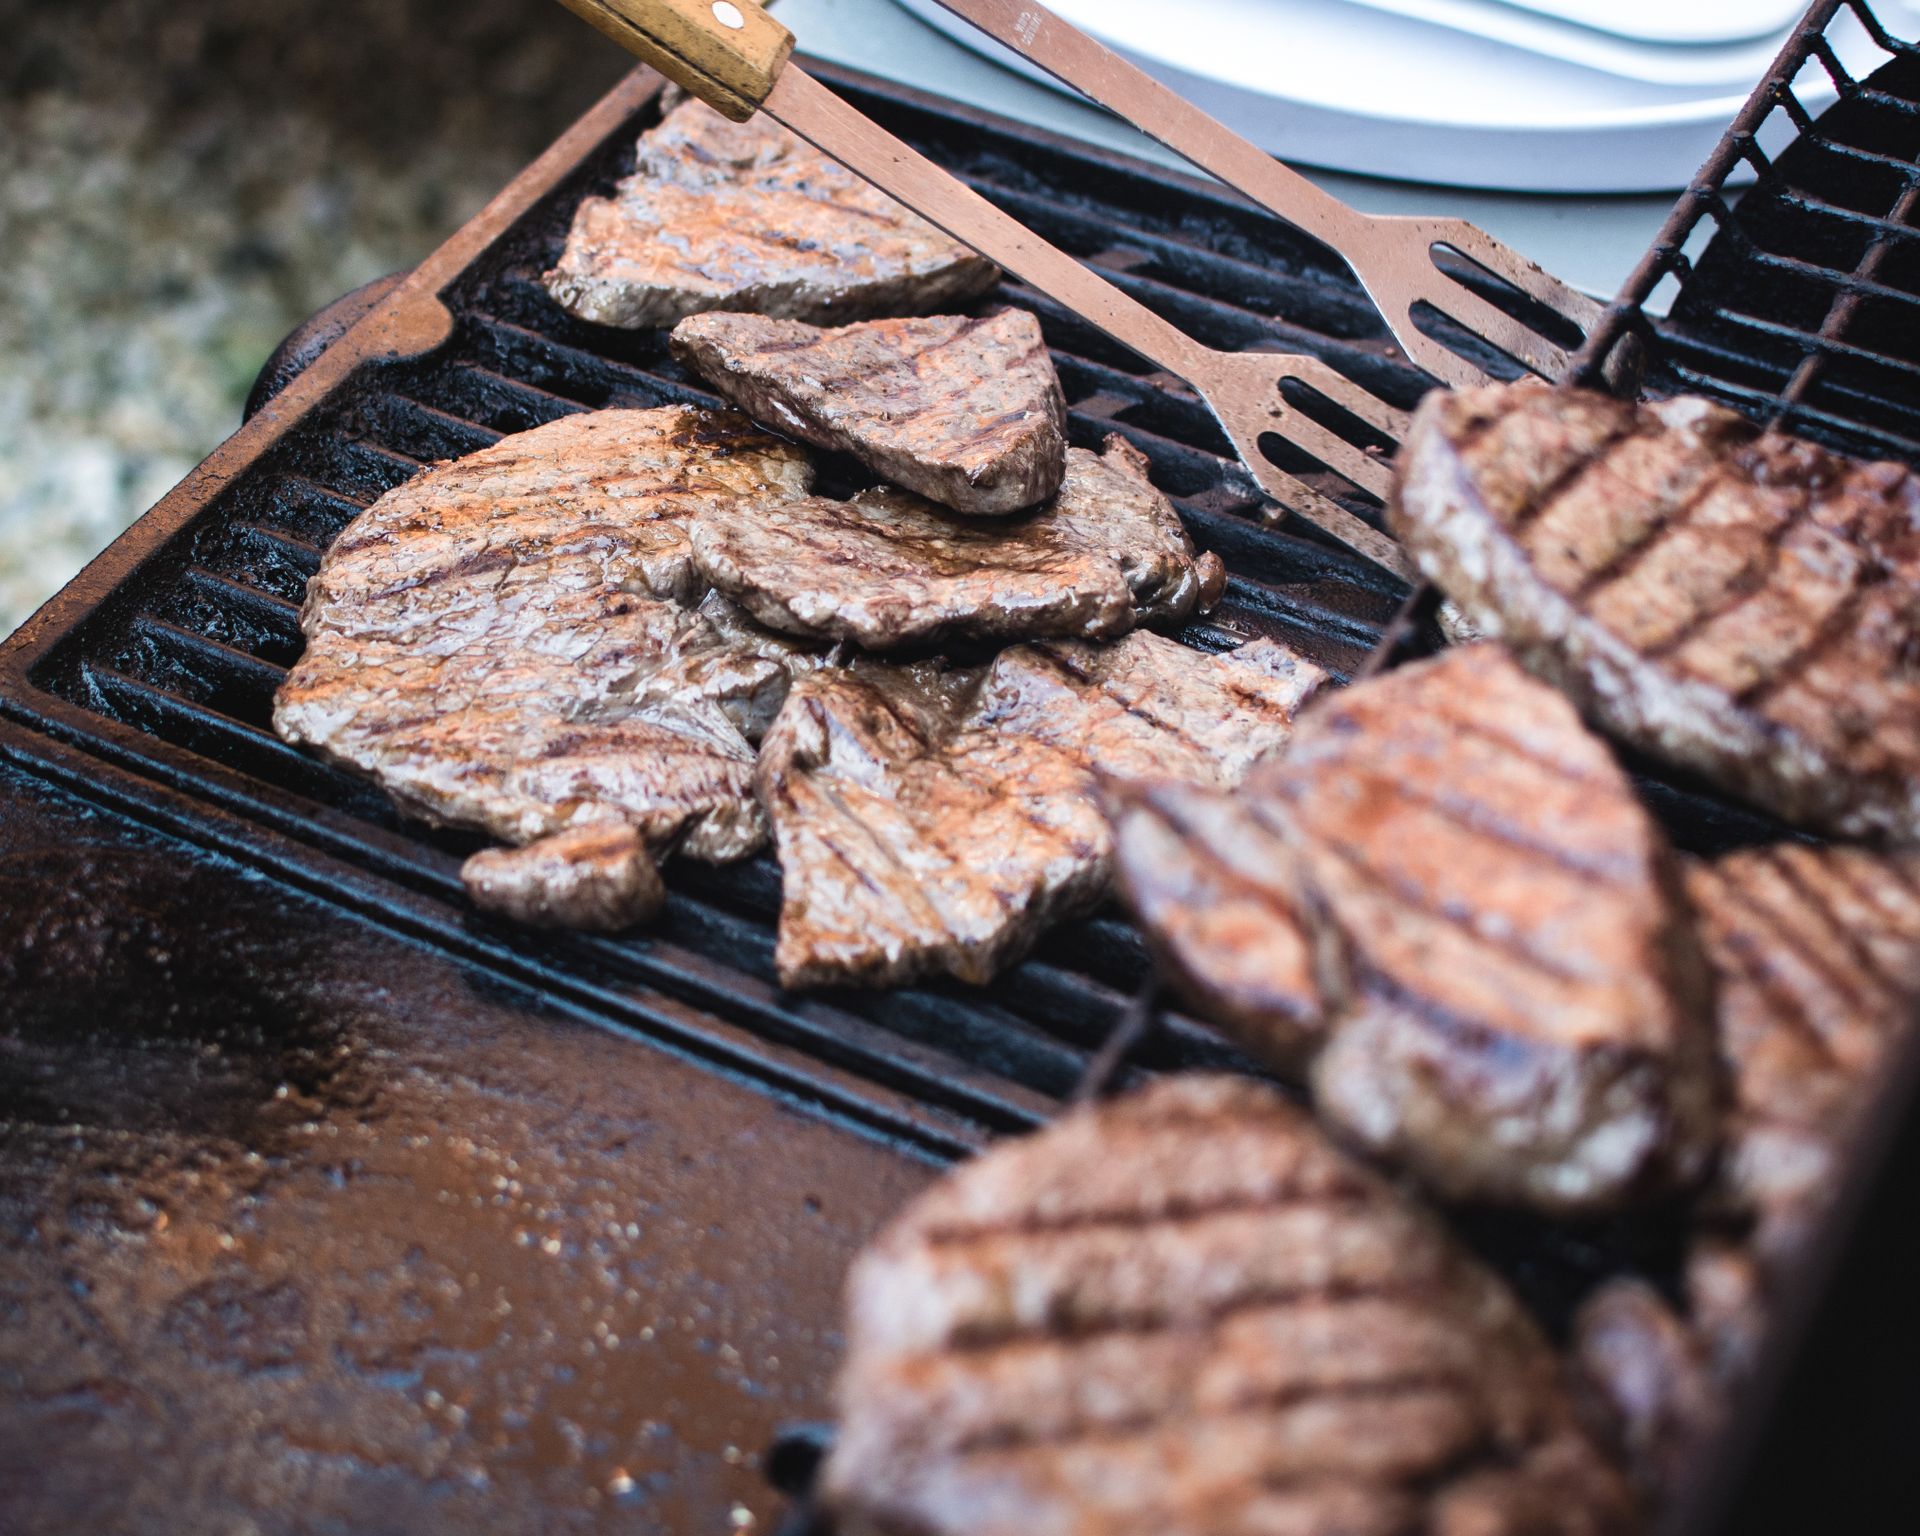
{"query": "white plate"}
pixel 1327 83
pixel 1663 21
pixel 1734 61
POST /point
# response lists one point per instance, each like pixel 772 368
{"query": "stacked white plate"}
pixel 1528 95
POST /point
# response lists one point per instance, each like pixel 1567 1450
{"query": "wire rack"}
pixel 1799 302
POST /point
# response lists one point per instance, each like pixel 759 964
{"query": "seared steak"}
pixel 1817 955
pixel 496 641
pixel 965 412
pixel 721 215
pixel 1216 889
pixel 936 821
pixel 1817 952
pixel 888 569
pixel 1185 1313
pixel 1746 609
pixel 1505 995
pixel 1648 1377
pixel 598 877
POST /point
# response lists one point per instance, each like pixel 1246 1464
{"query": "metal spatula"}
pixel 735 57
pixel 1394 258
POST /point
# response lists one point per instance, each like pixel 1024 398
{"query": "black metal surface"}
pixel 307 340
pixel 185 657
pixel 151 690
pixel 1798 302
pixel 305 1226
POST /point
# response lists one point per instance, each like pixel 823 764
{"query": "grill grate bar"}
pixel 189 665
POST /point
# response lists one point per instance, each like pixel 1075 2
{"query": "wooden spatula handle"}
pixel 727 52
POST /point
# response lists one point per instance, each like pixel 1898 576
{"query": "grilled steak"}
pixel 1817 956
pixel 1648 1377
pixel 721 215
pixel 1504 993
pixel 1185 1313
pixel 965 412
pixel 1817 952
pixel 598 877
pixel 888 569
pixel 1216 889
pixel 1745 609
pixel 496 641
pixel 935 821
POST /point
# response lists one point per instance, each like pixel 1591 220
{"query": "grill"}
pixel 147 683
pixel 173 671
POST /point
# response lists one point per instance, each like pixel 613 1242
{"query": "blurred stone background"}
pixel 183 181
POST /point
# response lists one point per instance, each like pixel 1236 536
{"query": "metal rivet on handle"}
pixel 728 14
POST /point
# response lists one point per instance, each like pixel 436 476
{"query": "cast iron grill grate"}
pixel 186 655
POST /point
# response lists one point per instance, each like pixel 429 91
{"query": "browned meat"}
pixel 1744 609
pixel 965 412
pixel 888 569
pixel 1505 994
pixel 931 821
pixel 1185 1313
pixel 598 877
pixel 1817 956
pixel 721 215
pixel 1647 1376
pixel 1817 952
pixel 495 643
pixel 1216 890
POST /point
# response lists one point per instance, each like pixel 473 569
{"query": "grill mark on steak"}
pixel 965 411
pixel 1563 484
pixel 1836 626
pixel 745 216
pixel 1746 955
pixel 472 645
pixel 1342 1355
pixel 888 570
pixel 967 798
pixel 1378 1395
pixel 1815 903
pixel 1748 608
pixel 1413 900
pixel 1503 993
pixel 1174 1212
pixel 1653 533
pixel 1053 658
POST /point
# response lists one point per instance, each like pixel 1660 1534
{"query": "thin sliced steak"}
pixel 888 569
pixel 721 215
pixel 497 643
pixel 599 878
pixel 1475 932
pixel 936 821
pixel 966 412
pixel 1185 1313
pixel 1747 609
